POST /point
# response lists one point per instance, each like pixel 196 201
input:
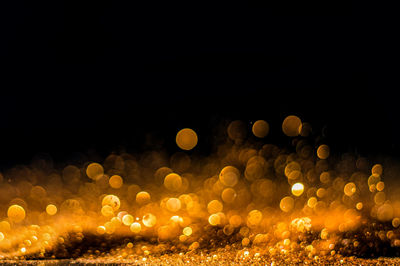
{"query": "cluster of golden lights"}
pixel 249 192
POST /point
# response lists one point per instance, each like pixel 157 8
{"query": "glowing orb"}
pixel 51 209
pixel 127 219
pixel 323 151
pixel 95 171
pixel 16 213
pixel 115 181
pixel 350 189
pixel 228 195
pixel 297 189
pixel 173 204
pixel 173 182
pixel 214 219
pixel 229 176
pixel 260 128
pixel 187 231
pixel 186 139
pixel 111 200
pixel 135 227
pixel 287 204
pixel 143 197
pixel 214 206
pixel 291 126
pixel 100 230
pixel 149 220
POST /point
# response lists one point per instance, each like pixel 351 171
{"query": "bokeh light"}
pixel 149 220
pixel 112 201
pixel 248 197
pixel 186 139
pixel 16 213
pixel 229 176
pixel 173 182
pixel 291 126
pixel 323 152
pixel 260 128
pixel 115 181
pixel 297 189
pixel 95 171
pixel 51 209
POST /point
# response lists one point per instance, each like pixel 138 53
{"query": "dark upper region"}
pixel 104 74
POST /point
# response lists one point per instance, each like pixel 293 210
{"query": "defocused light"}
pixel 323 151
pixel 350 189
pixel 186 139
pixel 111 200
pixel 254 218
pixel 173 204
pixel 149 220
pixel 214 206
pixel 187 231
pixel 95 171
pixel 173 182
pixel 229 176
pixel 135 227
pixel 214 219
pixel 101 230
pixel 107 211
pixel 287 204
pixel 115 181
pixel 380 186
pixel 377 169
pixel 16 213
pixel 142 197
pixel 237 130
pixel 127 219
pixel 260 128
pixel 228 195
pixel 51 209
pixel 297 189
pixel 291 126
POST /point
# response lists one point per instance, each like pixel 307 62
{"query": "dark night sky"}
pixel 99 74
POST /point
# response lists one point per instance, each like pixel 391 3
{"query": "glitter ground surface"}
pixel 217 257
pixel 248 202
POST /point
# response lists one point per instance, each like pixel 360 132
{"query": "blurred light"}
pixel 291 126
pixel 287 204
pixel 16 213
pixel 187 231
pixel 115 181
pixel 214 206
pixel 173 204
pixel 229 176
pixel 323 151
pixel 228 195
pixel 349 189
pixel 111 200
pixel 135 227
pixel 142 197
pixel 149 220
pixel 260 128
pixel 173 182
pixel 51 209
pixel 186 139
pixel 127 219
pixel 297 189
pixel 94 171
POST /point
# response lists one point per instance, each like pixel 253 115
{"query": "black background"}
pixel 104 74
